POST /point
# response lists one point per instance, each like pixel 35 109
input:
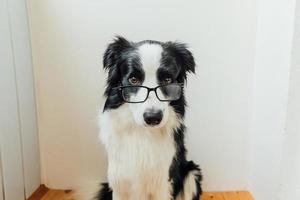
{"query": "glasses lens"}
pixel 134 94
pixel 169 92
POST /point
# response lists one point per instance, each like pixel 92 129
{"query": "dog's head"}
pixel 150 64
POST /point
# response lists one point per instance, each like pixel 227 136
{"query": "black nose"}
pixel 153 117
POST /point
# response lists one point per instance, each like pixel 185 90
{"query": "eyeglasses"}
pixel 139 94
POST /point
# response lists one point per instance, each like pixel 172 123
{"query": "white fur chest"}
pixel 139 158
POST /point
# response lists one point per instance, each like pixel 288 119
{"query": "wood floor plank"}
pixel 245 196
pixel 58 195
pixel 205 196
pixel 240 195
pixel 230 196
pixel 212 196
pixel 39 193
pixel 218 196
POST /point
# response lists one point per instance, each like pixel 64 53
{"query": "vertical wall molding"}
pixel 2 194
pixel 18 128
pixel 274 36
pixel 11 153
pixel 25 94
pixel 290 173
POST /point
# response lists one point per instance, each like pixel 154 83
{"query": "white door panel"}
pixel 9 120
pixel 26 97
pixel 18 132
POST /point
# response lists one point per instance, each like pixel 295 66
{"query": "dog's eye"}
pixel 134 81
pixel 167 80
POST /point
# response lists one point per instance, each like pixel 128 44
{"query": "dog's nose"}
pixel 153 117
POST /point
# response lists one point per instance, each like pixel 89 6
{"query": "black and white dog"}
pixel 142 125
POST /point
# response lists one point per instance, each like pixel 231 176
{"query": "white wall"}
pixel 68 39
pixel 275 28
pixel 290 177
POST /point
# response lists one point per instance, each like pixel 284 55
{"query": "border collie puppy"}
pixel 142 125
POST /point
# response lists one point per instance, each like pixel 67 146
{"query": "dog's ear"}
pixel 111 60
pixel 114 51
pixel 184 58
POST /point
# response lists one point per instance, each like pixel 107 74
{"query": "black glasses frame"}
pixel 120 88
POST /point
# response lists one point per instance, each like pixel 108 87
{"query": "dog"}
pixel 142 123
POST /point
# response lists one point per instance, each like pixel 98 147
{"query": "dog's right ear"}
pixel 114 51
pixel 111 60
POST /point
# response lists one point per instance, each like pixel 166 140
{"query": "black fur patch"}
pixel 180 167
pixel 105 192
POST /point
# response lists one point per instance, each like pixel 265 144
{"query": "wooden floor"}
pixel 226 196
pixel 58 195
pixel 67 195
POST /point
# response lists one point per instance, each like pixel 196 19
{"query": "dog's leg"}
pixel 191 187
pixel 192 183
pixel 105 193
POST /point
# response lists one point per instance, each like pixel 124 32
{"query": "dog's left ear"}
pixel 184 57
